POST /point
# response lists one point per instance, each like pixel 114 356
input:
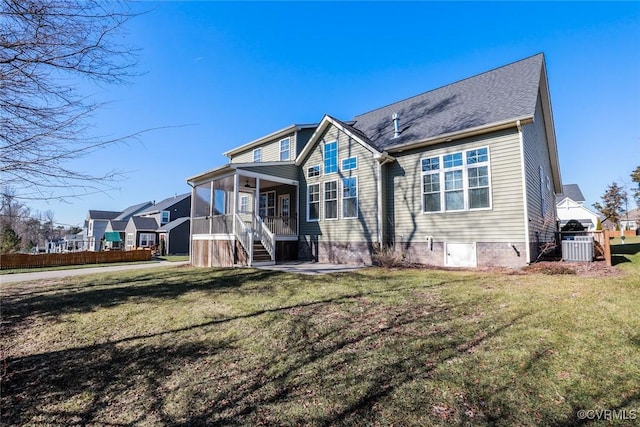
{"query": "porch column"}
pixel 236 180
pixel 257 198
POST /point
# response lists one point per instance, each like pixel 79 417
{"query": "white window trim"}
pixel 324 165
pixel 288 139
pixel 147 235
pixel 309 202
pixel 257 155
pixel 357 197
pixel 162 221
pixel 349 158
pixel 312 167
pixel 337 200
pixel 266 208
pixel 465 181
pixel 244 204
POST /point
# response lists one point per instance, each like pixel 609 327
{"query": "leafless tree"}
pixel 45 47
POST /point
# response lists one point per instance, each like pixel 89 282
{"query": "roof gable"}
pixel 571 191
pixel 142 223
pixel 326 122
pixel 508 93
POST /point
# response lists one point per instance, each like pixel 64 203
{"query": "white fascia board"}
pixel 255 142
pixel 324 123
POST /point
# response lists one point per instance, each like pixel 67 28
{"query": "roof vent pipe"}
pixel 396 125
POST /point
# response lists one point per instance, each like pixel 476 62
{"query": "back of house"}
pixel 463 175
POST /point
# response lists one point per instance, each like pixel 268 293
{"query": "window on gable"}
pixel 257 155
pixel 350 163
pixel 456 181
pixel 313 202
pixel 313 171
pixel 350 197
pixel 285 149
pixel 331 200
pixel 331 157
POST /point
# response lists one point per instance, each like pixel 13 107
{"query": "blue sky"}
pixel 223 74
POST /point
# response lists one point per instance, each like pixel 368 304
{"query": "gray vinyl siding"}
pixel 503 222
pixel 364 228
pixel 302 137
pixel 536 151
pixel 287 171
pixel 270 151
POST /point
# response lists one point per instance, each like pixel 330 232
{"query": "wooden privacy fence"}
pixel 12 261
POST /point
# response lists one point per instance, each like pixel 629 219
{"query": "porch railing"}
pixel 218 224
pixel 266 237
pixel 282 226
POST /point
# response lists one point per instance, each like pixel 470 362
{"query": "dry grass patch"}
pixel 250 347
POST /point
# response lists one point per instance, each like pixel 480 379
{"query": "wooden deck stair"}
pixel 260 253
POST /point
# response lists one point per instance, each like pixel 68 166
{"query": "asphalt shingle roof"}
pixel 173 224
pixel 144 223
pixel 165 204
pixel 131 210
pixel 502 94
pixel 94 214
pixel 571 191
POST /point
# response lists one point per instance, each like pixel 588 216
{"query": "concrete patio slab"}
pixel 312 268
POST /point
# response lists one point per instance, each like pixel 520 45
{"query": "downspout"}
pixel 385 159
pixel 524 194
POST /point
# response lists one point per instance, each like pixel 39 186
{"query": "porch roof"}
pixel 232 168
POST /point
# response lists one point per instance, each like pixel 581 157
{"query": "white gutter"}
pixel 524 194
pixel 478 130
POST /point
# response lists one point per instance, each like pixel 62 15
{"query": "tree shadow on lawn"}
pixel 108 291
pixel 206 375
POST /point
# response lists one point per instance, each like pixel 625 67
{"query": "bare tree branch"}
pixel 44 121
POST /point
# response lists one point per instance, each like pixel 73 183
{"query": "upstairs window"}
pixel 350 164
pixel 313 171
pixel 285 149
pixel 457 181
pixel 257 155
pixel 165 217
pixel 331 157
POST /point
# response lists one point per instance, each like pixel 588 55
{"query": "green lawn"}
pixel 185 346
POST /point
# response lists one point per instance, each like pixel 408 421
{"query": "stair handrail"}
pixel 245 236
pixel 266 237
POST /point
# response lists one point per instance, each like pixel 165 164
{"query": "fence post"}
pixel 607 247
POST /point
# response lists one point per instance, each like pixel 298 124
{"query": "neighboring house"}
pixel 141 233
pixel 95 226
pixel 169 209
pixel 173 237
pixel 114 234
pixel 74 242
pixel 631 220
pixel 463 175
pixel 167 220
pixel 570 205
